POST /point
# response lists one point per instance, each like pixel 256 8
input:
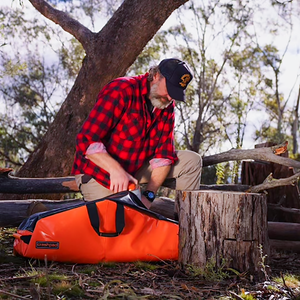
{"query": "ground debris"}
pixel 22 278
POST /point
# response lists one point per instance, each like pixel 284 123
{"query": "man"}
pixel 128 136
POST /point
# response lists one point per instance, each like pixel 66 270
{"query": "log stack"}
pixel 255 173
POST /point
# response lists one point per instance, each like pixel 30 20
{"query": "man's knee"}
pixel 190 159
pixel 190 167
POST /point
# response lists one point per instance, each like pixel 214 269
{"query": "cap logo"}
pixel 185 80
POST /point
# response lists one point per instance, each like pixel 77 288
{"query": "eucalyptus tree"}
pixel 109 52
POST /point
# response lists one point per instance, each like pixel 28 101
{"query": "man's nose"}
pixel 169 98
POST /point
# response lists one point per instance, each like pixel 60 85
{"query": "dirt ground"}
pixel 22 278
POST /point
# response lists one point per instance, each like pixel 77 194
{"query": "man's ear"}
pixel 156 77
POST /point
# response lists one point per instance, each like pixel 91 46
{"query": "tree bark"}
pixel 109 53
pixel 220 226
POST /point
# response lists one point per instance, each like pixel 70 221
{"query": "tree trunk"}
pixel 219 226
pixel 109 54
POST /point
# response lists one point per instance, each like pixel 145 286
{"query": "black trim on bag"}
pixel 95 220
pixel 26 238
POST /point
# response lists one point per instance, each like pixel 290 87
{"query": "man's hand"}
pixel 119 180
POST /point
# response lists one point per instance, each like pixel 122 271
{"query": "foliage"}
pixel 32 89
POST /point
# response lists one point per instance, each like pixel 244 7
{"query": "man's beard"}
pixel 156 99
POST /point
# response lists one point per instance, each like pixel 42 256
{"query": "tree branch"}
pixel 270 183
pixel 80 32
pixel 269 154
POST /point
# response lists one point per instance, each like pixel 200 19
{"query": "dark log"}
pixel 295 211
pixel 289 246
pixel 13 212
pixel 284 231
pixel 10 184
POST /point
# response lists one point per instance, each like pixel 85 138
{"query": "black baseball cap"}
pixel 178 76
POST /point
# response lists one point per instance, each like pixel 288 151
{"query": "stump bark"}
pixel 218 226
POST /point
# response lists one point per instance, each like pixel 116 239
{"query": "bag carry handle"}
pixel 95 220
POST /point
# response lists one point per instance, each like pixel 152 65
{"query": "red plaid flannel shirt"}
pixel 121 121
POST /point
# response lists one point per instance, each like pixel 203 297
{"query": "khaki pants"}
pixel 185 174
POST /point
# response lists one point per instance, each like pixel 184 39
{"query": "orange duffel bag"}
pixel 114 228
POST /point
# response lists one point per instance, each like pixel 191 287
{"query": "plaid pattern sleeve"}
pixel 123 124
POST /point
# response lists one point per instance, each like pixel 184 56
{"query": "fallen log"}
pixel 13 212
pixel 284 231
pixel 10 184
pixel 290 210
pixel 289 246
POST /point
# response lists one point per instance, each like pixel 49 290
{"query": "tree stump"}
pixel 218 227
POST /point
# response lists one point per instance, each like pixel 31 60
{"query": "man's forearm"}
pixel 119 178
pixel 158 176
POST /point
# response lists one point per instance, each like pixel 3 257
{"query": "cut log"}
pixel 221 226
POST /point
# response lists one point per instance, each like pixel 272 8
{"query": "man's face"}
pixel 158 95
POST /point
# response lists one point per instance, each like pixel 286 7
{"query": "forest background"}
pixel 244 56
